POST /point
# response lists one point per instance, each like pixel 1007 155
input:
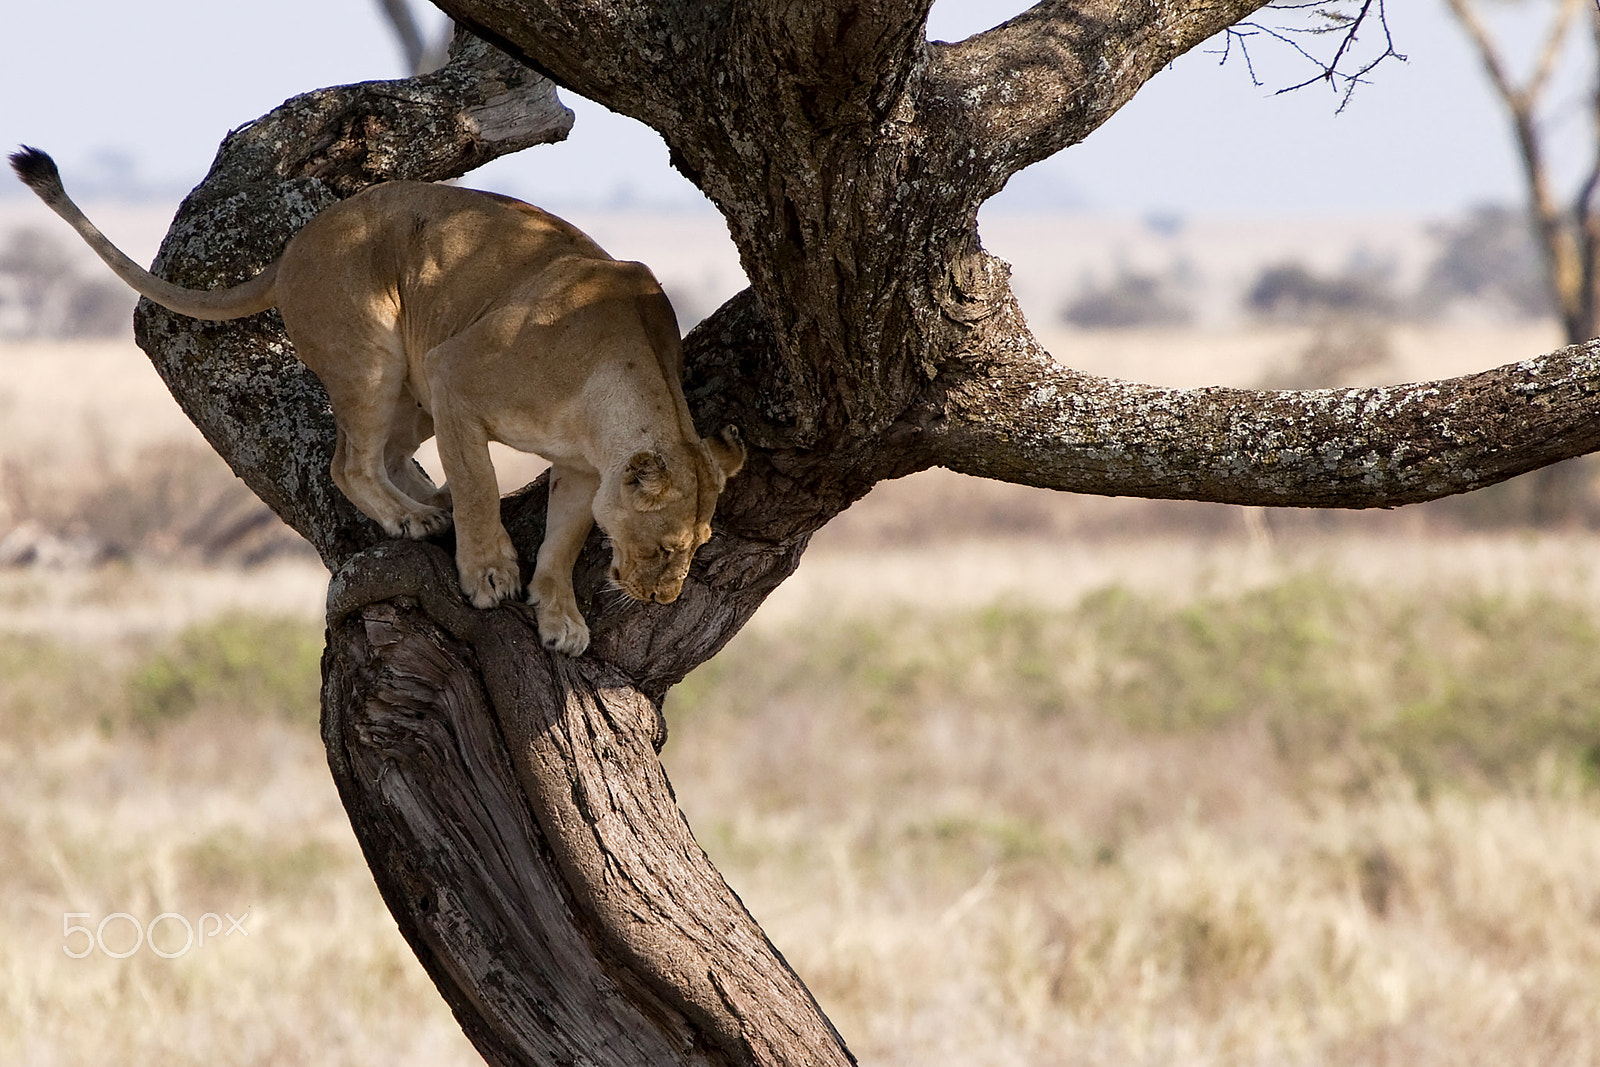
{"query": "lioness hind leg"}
pixel 414 482
pixel 412 427
pixel 362 473
pixel 567 522
pixel 361 459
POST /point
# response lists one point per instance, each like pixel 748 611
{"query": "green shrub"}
pixel 1446 687
pixel 250 665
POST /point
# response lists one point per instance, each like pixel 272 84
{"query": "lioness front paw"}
pixel 487 586
pixel 423 523
pixel 562 629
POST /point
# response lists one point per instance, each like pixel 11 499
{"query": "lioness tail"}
pixel 38 172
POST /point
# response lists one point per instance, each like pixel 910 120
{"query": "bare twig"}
pixel 1333 71
pixel 1550 55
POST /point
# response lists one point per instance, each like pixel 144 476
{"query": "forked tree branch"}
pixel 1555 39
pixel 1527 94
pixel 641 58
pixel 510 802
pixel 623 53
pixel 1024 90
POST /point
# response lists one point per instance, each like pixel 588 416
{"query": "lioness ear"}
pixel 727 451
pixel 645 480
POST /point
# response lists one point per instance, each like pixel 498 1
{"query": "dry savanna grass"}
pixel 1309 823
pixel 1320 817
pixel 186 781
pixel 1010 778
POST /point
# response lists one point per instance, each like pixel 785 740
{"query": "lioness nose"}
pixel 616 572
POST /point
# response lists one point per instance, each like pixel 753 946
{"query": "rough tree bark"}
pixel 510 802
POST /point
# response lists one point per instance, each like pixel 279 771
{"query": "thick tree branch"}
pixel 1030 87
pixel 623 53
pixel 424 774
pixel 643 58
pixel 1017 415
pixel 843 62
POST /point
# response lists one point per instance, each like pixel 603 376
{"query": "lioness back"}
pixel 422 259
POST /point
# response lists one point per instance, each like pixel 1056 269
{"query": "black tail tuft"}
pixel 37 171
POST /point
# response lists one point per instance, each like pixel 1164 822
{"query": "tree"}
pixel 1130 299
pixel 420 54
pixel 1292 291
pixel 1567 233
pixel 1488 257
pixel 509 801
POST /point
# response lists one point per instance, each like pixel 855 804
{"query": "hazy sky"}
pixel 154 84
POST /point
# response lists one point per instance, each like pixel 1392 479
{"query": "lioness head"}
pixel 657 512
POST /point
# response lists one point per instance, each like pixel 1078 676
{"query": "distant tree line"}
pixel 1487 260
pixel 44 293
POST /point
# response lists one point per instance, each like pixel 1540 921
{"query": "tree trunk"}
pixel 510 801
pixel 511 805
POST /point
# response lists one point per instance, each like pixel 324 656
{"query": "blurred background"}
pixel 1010 776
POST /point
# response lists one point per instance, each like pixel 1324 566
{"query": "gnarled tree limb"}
pixel 512 807
pixel 1026 418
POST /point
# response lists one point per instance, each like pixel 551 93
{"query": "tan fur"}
pixel 428 310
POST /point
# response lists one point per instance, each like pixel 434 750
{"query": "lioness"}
pixel 433 311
